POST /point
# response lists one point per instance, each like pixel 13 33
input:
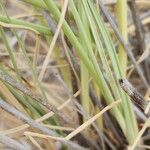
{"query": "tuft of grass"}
pixel 82 32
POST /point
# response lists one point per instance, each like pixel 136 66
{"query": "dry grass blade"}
pixel 26 91
pixel 43 136
pixel 46 116
pixel 35 142
pixel 70 59
pixel 146 124
pixel 64 9
pixel 79 129
pixel 140 35
pixel 90 121
pixel 147 95
pixel 61 139
pixel 145 21
pixel 144 56
pixel 10 143
pixel 34 124
pixel 58 127
pixel 7 107
pixel 144 146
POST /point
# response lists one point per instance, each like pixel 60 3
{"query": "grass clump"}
pixel 82 57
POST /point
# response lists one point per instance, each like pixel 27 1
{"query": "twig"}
pixel 8 79
pixel 11 143
pixel 126 47
pixel 136 97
